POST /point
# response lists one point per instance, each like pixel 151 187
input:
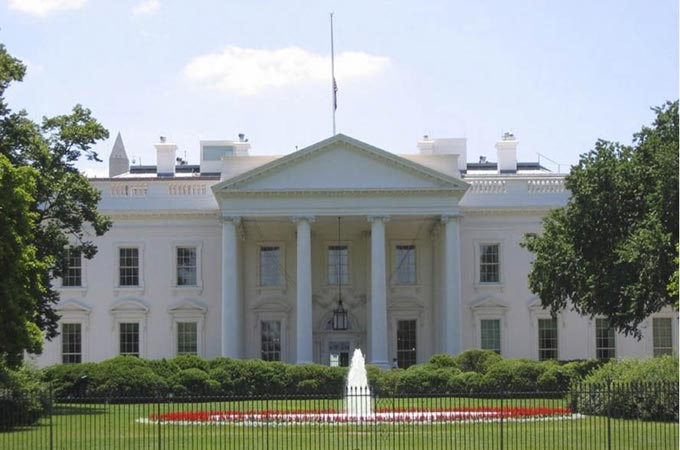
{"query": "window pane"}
pixel 187 338
pixel 338 269
pixel 186 266
pixel 129 339
pixel 406 343
pixel 71 343
pixel 491 335
pixel 662 330
pixel 72 268
pixel 406 265
pixel 270 336
pixel 489 263
pixel 547 339
pixel 270 266
pixel 129 266
pixel 605 340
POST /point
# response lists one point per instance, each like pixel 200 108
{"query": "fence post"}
pixel 158 420
pixel 609 415
pixel 501 427
pixel 50 412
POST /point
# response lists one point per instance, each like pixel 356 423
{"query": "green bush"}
pixel 427 379
pixel 513 375
pixel 128 377
pixel 70 380
pixel 476 360
pixel 194 381
pixel 631 388
pixel 443 360
pixel 22 394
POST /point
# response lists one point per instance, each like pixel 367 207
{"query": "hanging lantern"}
pixel 340 321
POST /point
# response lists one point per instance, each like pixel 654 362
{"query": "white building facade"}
pixel 259 256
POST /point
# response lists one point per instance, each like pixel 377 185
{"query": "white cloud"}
pixel 248 71
pixel 146 7
pixel 44 7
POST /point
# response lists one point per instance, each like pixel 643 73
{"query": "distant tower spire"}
pixel 118 161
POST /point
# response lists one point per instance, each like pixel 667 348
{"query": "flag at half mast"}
pixel 335 95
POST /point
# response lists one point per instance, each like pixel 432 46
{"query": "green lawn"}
pixel 101 426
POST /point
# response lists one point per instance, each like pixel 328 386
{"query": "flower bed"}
pixel 334 416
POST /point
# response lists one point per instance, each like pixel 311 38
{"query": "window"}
pixel 271 340
pixel 186 266
pixel 270 266
pixel 128 266
pixel 406 343
pixel 71 343
pixel 662 331
pixel 605 340
pixel 187 338
pixel 129 339
pixel 405 273
pixel 489 263
pixel 338 264
pixel 547 339
pixel 491 335
pixel 73 269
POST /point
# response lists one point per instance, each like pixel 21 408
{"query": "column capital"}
pixel 235 220
pixel 308 219
pixel 378 218
pixel 446 218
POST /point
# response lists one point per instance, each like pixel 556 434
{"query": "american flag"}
pixel 335 94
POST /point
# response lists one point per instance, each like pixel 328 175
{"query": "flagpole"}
pixel 334 86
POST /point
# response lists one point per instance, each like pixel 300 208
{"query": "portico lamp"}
pixel 340 322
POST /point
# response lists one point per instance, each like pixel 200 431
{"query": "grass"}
pixel 107 426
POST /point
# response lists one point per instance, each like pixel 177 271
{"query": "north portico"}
pixel 374 197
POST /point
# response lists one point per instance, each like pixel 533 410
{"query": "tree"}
pixel 46 205
pixel 612 250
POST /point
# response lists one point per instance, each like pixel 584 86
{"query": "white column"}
pixel 232 314
pixel 379 355
pixel 304 290
pixel 451 279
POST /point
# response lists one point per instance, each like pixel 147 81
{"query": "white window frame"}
pixel 282 265
pixel 72 311
pixel 350 264
pixel 121 245
pixel 666 313
pixel 537 337
pixel 616 340
pixel 270 310
pixel 188 311
pixel 129 311
pixel 395 264
pixel 536 312
pixel 281 332
pixel 478 261
pixel 198 246
pixel 490 308
pixel 406 308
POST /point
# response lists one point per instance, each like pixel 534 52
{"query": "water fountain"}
pixel 358 401
pixel 358 408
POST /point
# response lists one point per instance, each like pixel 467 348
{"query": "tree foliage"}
pixel 46 204
pixel 612 249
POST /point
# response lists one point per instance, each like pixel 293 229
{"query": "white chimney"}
pixel 166 153
pixel 445 146
pixel 507 153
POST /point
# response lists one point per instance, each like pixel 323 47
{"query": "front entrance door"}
pixel 339 353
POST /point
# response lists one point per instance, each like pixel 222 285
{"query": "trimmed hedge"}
pixel 631 388
pixel 469 373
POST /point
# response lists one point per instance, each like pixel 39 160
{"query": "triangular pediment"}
pixel 341 163
pixel 72 306
pixel 489 302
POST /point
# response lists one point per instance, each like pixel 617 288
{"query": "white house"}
pixel 305 257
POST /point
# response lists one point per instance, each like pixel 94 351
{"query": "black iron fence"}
pixel 587 417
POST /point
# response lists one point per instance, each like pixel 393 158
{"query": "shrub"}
pixel 631 388
pixel 427 379
pixel 22 393
pixel 194 381
pixel 513 375
pixel 70 380
pixel 127 376
pixel 476 360
pixel 443 360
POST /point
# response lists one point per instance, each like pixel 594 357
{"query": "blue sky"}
pixel 558 74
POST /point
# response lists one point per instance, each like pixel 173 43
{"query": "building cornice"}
pixel 363 192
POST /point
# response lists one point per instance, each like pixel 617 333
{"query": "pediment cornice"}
pixel 233 184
